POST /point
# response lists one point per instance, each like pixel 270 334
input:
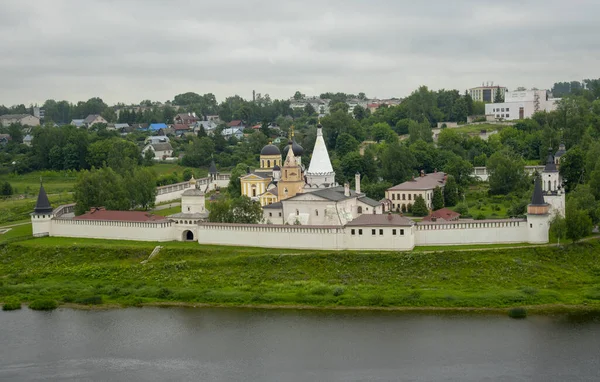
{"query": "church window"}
pixel 280 214
pixel 530 225
pixel 380 232
pixel 253 191
pixel 373 232
pixel 401 232
pixel 188 209
pixel 297 212
pixel 359 209
pixel 394 232
pixel 286 174
pixel 555 188
pixel 549 185
pixel 316 212
pixel 353 232
pixel 269 163
pixel 270 214
pixel 360 231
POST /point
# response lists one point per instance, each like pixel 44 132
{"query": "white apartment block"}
pixel 522 104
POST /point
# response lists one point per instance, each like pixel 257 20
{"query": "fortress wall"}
pixel 271 236
pixel 113 230
pixel 473 232
pixel 173 191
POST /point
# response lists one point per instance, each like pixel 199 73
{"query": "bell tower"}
pixel 292 179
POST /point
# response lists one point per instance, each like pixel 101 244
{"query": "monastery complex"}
pixel 306 209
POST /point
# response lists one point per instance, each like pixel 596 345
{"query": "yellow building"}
pixel 258 185
pixel 292 178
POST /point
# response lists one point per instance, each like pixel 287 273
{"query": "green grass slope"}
pixel 45 268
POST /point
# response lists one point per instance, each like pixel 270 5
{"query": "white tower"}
pixel 551 181
pixel 320 173
pixel 41 218
pixel 193 200
pixel 538 217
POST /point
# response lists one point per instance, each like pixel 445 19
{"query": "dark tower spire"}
pixel 42 206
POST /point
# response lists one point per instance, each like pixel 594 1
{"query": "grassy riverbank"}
pixel 93 272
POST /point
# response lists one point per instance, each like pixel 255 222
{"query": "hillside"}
pixel 183 273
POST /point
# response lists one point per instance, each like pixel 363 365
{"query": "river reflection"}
pixel 154 344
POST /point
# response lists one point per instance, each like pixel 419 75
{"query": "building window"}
pixel 297 212
pixel 353 232
pixel 359 209
pixel 188 209
pixel 401 232
pixel 269 163
pixel 502 110
pixel 507 109
pixel 360 231
pixel 316 212
pixel 409 196
pixel 380 232
pixel 270 214
pixel 403 196
pixel 394 232
pixel 393 196
pixel 531 226
pixel 373 232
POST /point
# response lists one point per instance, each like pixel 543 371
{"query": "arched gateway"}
pixel 188 235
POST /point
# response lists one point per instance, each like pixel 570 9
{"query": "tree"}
pixel 148 158
pixel 220 211
pixel 141 186
pixel 506 171
pixel 309 110
pixel 572 167
pixel 188 98
pixel 461 170
pixel 345 144
pixel 450 192
pixel 419 208
pixel 383 132
pixel 418 131
pixel 578 223
pixel 102 187
pixel 498 98
pixel 234 188
pixel 558 227
pixel 397 163
pixel 187 174
pixel 298 95
pixel 340 106
pixel 246 211
pixel 6 189
pixel 360 112
pixel 438 199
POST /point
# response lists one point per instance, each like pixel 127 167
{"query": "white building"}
pixel 320 172
pixel 161 150
pixel 403 194
pixel 486 92
pixel 522 104
pixel 24 119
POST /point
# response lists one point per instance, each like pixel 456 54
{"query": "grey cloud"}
pixel 128 50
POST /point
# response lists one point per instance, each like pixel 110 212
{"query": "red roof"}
pixel 181 127
pixel 442 214
pixel 236 123
pixel 256 127
pixel 126 216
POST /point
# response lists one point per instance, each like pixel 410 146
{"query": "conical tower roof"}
pixel 550 165
pixel 320 162
pixel 538 196
pixel 42 206
pixel 213 167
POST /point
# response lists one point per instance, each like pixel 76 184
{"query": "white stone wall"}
pixel 380 238
pixel 473 232
pixel 557 204
pixel 112 230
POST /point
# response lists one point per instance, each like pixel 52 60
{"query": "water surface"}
pixel 158 344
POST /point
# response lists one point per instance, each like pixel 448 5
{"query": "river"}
pixel 173 344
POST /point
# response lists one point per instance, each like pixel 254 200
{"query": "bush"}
pixel 164 293
pixel 338 291
pixel 92 300
pixel 462 208
pixel 12 303
pixel 480 216
pixel 517 313
pixel 43 304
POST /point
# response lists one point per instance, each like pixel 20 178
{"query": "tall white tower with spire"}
pixel 320 173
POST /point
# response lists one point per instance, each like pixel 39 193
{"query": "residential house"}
pixel 78 122
pixel 24 119
pixel 181 129
pixel 233 132
pixel 157 139
pixel 209 126
pixel 157 126
pixel 214 118
pixel 28 139
pixel 162 150
pixel 237 123
pixel 93 119
pixel 120 126
pixel 185 119
pixel 4 139
pixel 442 215
pixel 404 194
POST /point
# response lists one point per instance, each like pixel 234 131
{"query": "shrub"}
pixel 462 208
pixel 92 300
pixel 529 290
pixel 164 293
pixel 375 300
pixel 12 303
pixel 517 313
pixel 320 290
pixel 338 291
pixel 43 304
pixel 480 216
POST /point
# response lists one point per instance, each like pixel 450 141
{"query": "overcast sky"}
pixel 130 50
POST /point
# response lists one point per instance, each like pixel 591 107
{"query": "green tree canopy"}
pixel 419 208
pixel 438 199
pixel 507 173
